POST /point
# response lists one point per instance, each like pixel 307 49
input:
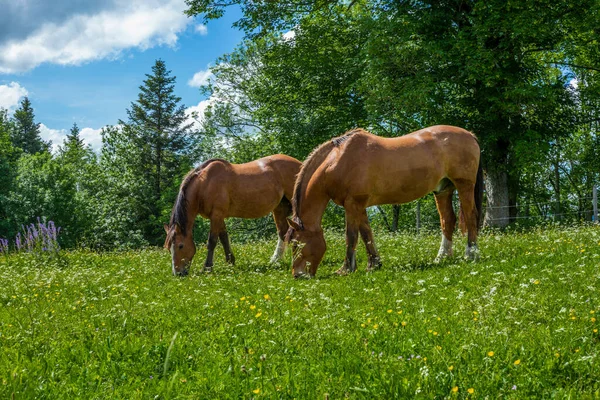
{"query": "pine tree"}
pixel 74 141
pixel 8 161
pixel 26 132
pixel 158 126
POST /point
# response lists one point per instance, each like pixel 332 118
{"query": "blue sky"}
pixel 84 60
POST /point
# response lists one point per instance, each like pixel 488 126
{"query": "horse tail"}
pixel 478 192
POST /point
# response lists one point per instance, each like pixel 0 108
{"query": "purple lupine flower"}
pixel 3 246
pixel 18 241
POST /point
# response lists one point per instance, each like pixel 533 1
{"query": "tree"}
pixel 494 67
pixel 8 161
pixel 158 126
pixel 26 132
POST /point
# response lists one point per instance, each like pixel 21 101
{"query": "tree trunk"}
pixel 497 211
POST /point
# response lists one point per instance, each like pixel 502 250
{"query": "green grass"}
pixel 85 325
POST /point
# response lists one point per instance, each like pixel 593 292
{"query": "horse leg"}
pixel 224 238
pixel 280 213
pixel 443 200
pixel 353 219
pixel 217 225
pixel 466 194
pixel 367 236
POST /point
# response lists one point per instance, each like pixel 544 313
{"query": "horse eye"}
pixel 180 246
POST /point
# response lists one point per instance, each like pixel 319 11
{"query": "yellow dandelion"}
pixel 573 318
pixel 267 297
pixel 592 311
pixel 577 350
pixel 490 354
pixel 435 333
pixel 536 282
pixel 368 320
pixel 556 354
pixel 403 323
pixel 595 330
pixel 475 319
pixel 375 326
pixel 252 307
pixel 242 298
pixel 593 319
pixel 258 315
pixel 451 368
pixel 399 312
pixel 517 362
pixel 455 389
pixel 430 330
pixel 256 391
pixel 471 390
pixel 438 347
pixel 390 311
pixel 362 325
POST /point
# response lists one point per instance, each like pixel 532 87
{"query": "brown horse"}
pixel 359 169
pixel 217 190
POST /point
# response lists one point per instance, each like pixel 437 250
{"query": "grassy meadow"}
pixel 520 323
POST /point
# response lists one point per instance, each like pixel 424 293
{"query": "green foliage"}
pixel 26 132
pixel 45 187
pixel 8 160
pixel 520 323
pixel 158 127
pixel 497 68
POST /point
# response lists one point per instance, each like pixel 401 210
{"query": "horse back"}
pixel 398 170
pixel 249 190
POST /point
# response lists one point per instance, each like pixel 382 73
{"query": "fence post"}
pixel 418 216
pixel 595 202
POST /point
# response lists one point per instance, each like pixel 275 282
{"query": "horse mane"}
pixel 179 213
pixel 310 165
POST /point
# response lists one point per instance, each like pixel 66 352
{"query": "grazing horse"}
pixel 359 169
pixel 217 190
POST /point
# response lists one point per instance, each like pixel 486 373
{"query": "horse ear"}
pixel 166 228
pixel 293 224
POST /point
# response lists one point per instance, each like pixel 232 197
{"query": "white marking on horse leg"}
pixel 279 250
pixel 472 252
pixel 445 249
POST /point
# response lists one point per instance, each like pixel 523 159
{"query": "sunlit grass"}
pixel 520 323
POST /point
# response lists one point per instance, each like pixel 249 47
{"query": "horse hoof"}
pixel 374 265
pixel 208 269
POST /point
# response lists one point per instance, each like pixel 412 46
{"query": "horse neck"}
pixel 192 195
pixel 314 204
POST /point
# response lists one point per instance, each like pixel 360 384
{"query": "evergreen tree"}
pixel 26 132
pixel 158 126
pixel 8 160
pixel 74 141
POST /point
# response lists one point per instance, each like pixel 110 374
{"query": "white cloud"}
pixel 81 38
pixel 574 83
pixel 90 137
pixel 10 95
pixel 57 136
pixel 201 29
pixel 200 78
pixel 289 36
pixel 195 113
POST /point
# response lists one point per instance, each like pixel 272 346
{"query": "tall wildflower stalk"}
pixel 3 246
pixel 40 237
